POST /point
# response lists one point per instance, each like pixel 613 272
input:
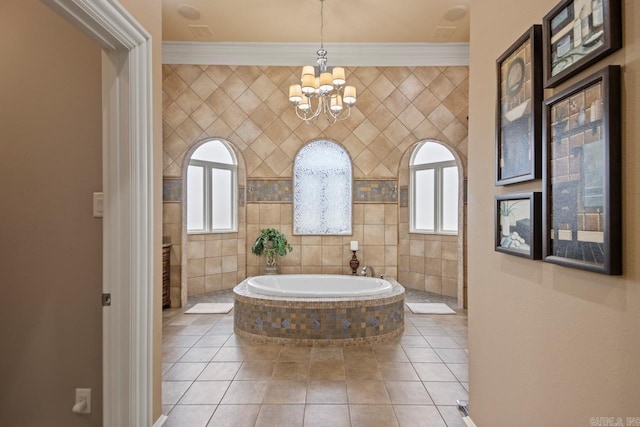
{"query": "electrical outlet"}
pixel 83 401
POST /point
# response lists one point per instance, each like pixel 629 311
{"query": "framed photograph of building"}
pixel 582 218
pixel 577 34
pixel 518 223
pixel 519 110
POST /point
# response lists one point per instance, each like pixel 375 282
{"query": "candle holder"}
pixel 354 264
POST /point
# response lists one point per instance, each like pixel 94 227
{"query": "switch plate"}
pixel 83 395
pixel 98 210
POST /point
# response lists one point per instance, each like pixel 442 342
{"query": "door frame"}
pixel 127 161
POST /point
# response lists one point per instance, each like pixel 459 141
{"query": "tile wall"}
pixel 248 107
pixel 375 226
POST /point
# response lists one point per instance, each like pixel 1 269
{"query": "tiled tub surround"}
pixel 319 321
pixel 248 107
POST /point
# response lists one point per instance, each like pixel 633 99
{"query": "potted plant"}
pixel 506 209
pixel 271 242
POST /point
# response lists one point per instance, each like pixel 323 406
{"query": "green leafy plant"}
pixel 271 242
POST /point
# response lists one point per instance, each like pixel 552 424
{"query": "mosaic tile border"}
pixel 269 190
pixel 281 191
pixel 375 191
pixel 319 321
pixel 172 190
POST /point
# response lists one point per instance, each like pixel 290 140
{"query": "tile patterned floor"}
pixel 213 378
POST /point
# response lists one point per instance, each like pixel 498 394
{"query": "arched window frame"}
pixel 346 202
pixel 209 167
pixel 438 169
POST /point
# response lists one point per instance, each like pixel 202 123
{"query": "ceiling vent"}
pixel 201 32
pixel 444 33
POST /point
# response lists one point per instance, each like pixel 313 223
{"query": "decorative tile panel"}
pixel 270 190
pixel 319 321
pixel 171 190
pixel 375 191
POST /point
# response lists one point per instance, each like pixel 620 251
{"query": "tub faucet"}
pixel 365 271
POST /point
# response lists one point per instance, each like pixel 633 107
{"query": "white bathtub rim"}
pixel 375 287
pixel 397 290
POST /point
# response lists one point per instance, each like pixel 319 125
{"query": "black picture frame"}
pixel 577 34
pixel 582 207
pixel 519 110
pixel 517 224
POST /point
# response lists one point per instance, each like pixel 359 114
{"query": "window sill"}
pixel 205 233
pixel 433 233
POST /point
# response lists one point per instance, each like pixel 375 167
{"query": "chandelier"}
pixel 322 89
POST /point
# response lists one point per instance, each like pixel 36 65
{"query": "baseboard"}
pixel 468 422
pixel 160 422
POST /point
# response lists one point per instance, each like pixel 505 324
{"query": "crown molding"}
pixel 298 54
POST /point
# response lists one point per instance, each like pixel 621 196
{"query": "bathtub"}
pixel 317 285
pixel 318 309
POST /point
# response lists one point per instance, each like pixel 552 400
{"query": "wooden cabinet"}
pixel 166 270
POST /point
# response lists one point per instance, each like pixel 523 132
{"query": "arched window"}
pixel 322 189
pixel 211 189
pixel 434 190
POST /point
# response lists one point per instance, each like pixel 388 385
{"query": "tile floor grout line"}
pixel 387 354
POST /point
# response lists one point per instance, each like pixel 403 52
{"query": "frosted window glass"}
pixel 322 189
pixel 431 152
pixel 450 199
pixel 214 151
pixel 424 213
pixel 195 198
pixel 222 212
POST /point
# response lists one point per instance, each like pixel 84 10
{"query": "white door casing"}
pixel 127 153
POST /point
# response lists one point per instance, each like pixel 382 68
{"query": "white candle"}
pixel 354 245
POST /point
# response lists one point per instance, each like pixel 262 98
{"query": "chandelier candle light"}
pixel 322 89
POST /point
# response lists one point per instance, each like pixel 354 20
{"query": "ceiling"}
pixel 292 21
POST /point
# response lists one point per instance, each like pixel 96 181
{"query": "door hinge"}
pixel 106 300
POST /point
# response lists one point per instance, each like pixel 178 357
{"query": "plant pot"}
pixel 271 269
pixel 505 225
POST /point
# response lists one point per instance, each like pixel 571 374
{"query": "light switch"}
pixel 98 210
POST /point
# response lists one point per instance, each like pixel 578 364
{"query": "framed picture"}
pixel 519 110
pixel 518 224
pixel 582 198
pixel 578 33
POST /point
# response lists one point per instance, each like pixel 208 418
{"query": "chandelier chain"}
pixel 322 24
